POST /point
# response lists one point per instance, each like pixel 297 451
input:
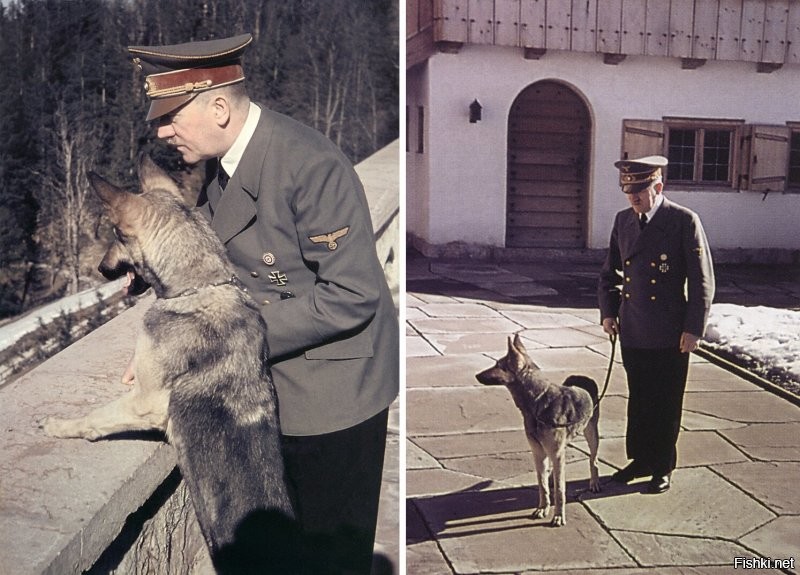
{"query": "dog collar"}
pixel 233 281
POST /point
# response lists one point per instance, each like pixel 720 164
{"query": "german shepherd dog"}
pixel 553 415
pixel 201 375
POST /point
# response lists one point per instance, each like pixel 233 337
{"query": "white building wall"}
pixel 463 174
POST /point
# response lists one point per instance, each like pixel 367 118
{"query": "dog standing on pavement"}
pixel 201 375
pixel 553 415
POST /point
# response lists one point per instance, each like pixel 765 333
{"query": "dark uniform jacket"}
pixel 295 221
pixel 659 282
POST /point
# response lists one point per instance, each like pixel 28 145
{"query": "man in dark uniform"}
pixel 655 292
pixel 294 218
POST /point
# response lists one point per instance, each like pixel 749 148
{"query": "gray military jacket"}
pixel 295 221
pixel 658 282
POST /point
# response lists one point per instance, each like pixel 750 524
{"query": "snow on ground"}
pixel 11 332
pixel 767 336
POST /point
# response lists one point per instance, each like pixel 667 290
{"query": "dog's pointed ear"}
pixel 518 353
pixel 152 177
pixel 518 344
pixel 110 194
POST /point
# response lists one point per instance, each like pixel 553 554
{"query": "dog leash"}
pixel 613 338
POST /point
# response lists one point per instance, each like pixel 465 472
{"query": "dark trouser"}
pixel 335 482
pixel 656 383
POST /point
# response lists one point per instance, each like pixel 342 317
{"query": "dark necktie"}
pixel 222 177
pixel 642 221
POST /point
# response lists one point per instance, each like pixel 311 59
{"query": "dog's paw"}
pixel 53 427
pixel 540 513
pixel 558 520
pixel 62 428
pixel 594 485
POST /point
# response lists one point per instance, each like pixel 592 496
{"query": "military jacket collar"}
pixel 237 206
pixel 632 240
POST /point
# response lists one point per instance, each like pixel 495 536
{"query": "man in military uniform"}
pixel 655 292
pixel 294 218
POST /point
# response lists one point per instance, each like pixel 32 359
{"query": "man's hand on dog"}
pixel 128 376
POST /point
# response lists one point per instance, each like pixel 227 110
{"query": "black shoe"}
pixel 659 484
pixel 630 472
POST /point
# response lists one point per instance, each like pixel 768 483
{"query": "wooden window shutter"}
pixel 765 158
pixel 642 138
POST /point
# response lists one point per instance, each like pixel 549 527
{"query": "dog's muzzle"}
pixel 137 285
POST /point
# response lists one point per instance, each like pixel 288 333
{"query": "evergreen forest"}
pixel 71 102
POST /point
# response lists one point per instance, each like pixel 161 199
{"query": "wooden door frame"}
pixel 587 163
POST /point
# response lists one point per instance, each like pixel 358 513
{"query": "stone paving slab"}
pixel 492 531
pixel 777 539
pixel 516 289
pixel 435 298
pixel 474 444
pixel 464 325
pixel 697 421
pixel 730 384
pixel 744 407
pixel 453 411
pixel 544 320
pixel 419 458
pixel 426 482
pixel 417 346
pixel 650 549
pixel 567 359
pixel 773 483
pixel 469 273
pixel 426 559
pixel 697 448
pixel 705 371
pixel 456 309
pixel 492 344
pixel 767 441
pixel 561 337
pixel 445 371
pixel 417 313
pixel 700 504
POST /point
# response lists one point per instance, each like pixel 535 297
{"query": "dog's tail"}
pixel 235 475
pixel 586 383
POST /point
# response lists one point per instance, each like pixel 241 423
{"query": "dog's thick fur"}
pixel 553 415
pixel 201 375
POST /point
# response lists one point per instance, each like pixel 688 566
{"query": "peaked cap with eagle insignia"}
pixel 636 175
pixel 177 73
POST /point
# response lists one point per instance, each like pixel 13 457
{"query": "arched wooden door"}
pixel 549 132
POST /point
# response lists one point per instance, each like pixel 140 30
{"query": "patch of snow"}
pixel 12 332
pixel 768 336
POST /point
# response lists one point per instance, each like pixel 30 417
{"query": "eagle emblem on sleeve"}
pixel 331 238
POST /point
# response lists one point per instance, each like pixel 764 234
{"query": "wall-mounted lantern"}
pixel 475 111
